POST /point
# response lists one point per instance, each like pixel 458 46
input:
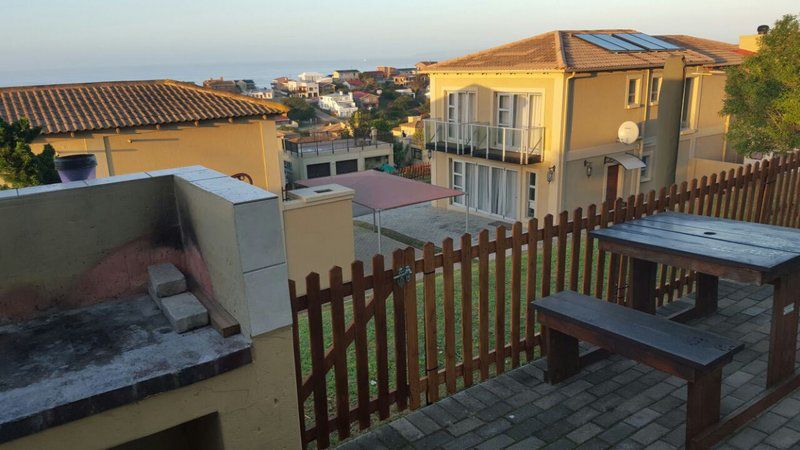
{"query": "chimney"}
pixel 752 42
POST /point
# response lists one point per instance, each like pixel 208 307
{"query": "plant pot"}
pixel 76 167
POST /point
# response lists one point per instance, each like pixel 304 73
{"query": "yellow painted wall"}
pixel 257 407
pixel 318 236
pixel 249 146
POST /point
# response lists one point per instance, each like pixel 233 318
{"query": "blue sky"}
pixel 48 34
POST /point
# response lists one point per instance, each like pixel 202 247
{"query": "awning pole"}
pixel 374 227
pixel 380 251
pixel 466 203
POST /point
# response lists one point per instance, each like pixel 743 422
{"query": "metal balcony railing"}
pixel 516 145
pixel 317 148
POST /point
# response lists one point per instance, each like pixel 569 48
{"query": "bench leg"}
pixel 643 284
pixel 783 332
pixel 563 360
pixel 702 404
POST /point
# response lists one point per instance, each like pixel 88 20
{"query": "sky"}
pixel 42 39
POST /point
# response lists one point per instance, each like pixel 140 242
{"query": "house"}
pixel 405 71
pixel 222 84
pixel 310 76
pixel 387 71
pixel 422 65
pixel 135 126
pixel 531 127
pixel 403 79
pixel 377 75
pixel 324 154
pixel 406 91
pixel 339 104
pixel 366 99
pixel 354 84
pixel 346 75
pixel 263 94
pixel 406 130
pixel 302 89
pixel 245 85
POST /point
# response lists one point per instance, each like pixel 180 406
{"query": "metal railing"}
pixel 506 144
pixel 324 147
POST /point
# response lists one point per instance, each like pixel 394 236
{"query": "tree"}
pixel 299 109
pixel 763 93
pixel 19 166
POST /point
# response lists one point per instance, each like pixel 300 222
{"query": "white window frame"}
pixel 637 94
pixel 691 110
pixel 658 89
pixel 646 173
pixel 531 202
pixel 453 184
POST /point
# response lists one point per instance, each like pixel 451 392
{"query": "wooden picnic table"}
pixel 714 248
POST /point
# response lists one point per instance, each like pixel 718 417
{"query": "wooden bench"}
pixel 694 355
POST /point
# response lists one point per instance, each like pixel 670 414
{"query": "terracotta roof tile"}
pixel 64 108
pixel 563 50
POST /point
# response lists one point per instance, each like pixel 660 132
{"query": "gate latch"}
pixel 403 275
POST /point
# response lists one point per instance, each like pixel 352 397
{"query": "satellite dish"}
pixel 628 132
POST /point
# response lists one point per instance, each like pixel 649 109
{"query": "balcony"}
pixel 513 145
pixel 305 149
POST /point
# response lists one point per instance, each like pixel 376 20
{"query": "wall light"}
pixel 551 172
pixel 588 166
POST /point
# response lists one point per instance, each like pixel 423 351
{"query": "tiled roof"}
pixel 563 50
pixel 64 108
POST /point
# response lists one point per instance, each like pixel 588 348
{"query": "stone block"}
pixel 184 311
pixel 165 280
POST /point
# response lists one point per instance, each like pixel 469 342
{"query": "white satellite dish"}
pixel 628 132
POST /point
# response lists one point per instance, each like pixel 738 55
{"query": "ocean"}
pixel 260 72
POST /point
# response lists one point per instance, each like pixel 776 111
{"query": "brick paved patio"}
pixel 613 403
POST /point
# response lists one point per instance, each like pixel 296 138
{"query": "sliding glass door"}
pixel 490 190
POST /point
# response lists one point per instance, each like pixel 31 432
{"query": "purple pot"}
pixel 76 167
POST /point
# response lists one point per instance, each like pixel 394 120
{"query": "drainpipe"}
pixel 642 133
pixel 669 120
pixel 562 158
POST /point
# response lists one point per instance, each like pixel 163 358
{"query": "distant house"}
pixel 387 71
pixel 377 75
pixel 264 94
pixel 310 76
pixel 245 85
pixel 403 79
pixel 405 71
pixel 346 75
pixel 302 89
pixel 222 84
pixel 406 91
pixel 406 130
pixel 423 64
pixel 340 104
pixel 365 99
pixel 354 84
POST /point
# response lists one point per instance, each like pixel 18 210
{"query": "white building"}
pixel 340 104
pixel 311 76
pixel 263 94
pixel 302 89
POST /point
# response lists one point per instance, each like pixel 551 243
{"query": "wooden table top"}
pixel 766 251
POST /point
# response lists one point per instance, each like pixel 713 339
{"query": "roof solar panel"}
pixel 631 47
pixel 654 43
pixel 592 39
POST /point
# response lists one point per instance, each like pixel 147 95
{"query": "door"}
pixel 612 184
pixel 460 111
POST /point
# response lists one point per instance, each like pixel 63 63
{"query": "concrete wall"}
pixel 67 244
pixel 249 146
pixel 319 236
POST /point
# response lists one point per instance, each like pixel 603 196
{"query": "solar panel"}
pixel 649 42
pixel 631 47
pixel 592 39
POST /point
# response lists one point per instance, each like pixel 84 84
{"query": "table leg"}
pixel 707 293
pixel 643 285
pixel 783 334
pixel 702 404
pixel 563 360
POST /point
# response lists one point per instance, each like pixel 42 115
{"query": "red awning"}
pixel 381 191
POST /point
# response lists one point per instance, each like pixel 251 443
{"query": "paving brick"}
pixel 495 443
pixel 642 417
pixel 407 429
pixel 784 438
pixel 432 441
pixel 561 444
pixel 390 437
pixel 584 433
pixel 747 438
pixel 769 422
pixel 527 444
pixel 529 427
pixel 553 414
pixel 464 426
pixel 469 402
pixel 439 415
pixel 582 416
pixel 554 431
pixel 524 413
pixel 617 432
pixel 493 428
pixel 165 280
pixel 465 441
pixel 494 411
pixel 787 407
pixel 649 434
pixel 423 422
pixel 457 410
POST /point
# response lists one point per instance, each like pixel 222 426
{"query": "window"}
pixel 633 92
pixel 490 190
pixel 647 170
pixel 532 195
pixel 688 99
pixel 505 110
pixel 655 90
pixel 457 180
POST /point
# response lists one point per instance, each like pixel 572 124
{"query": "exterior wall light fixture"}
pixel 588 165
pixel 551 172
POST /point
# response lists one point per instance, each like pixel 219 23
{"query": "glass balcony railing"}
pixel 516 145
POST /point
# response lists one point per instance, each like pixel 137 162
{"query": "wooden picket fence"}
pixel 410 330
pixel 418 171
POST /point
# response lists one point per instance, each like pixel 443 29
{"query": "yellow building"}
pixel 531 127
pixel 139 126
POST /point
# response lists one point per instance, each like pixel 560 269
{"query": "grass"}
pixel 305 355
